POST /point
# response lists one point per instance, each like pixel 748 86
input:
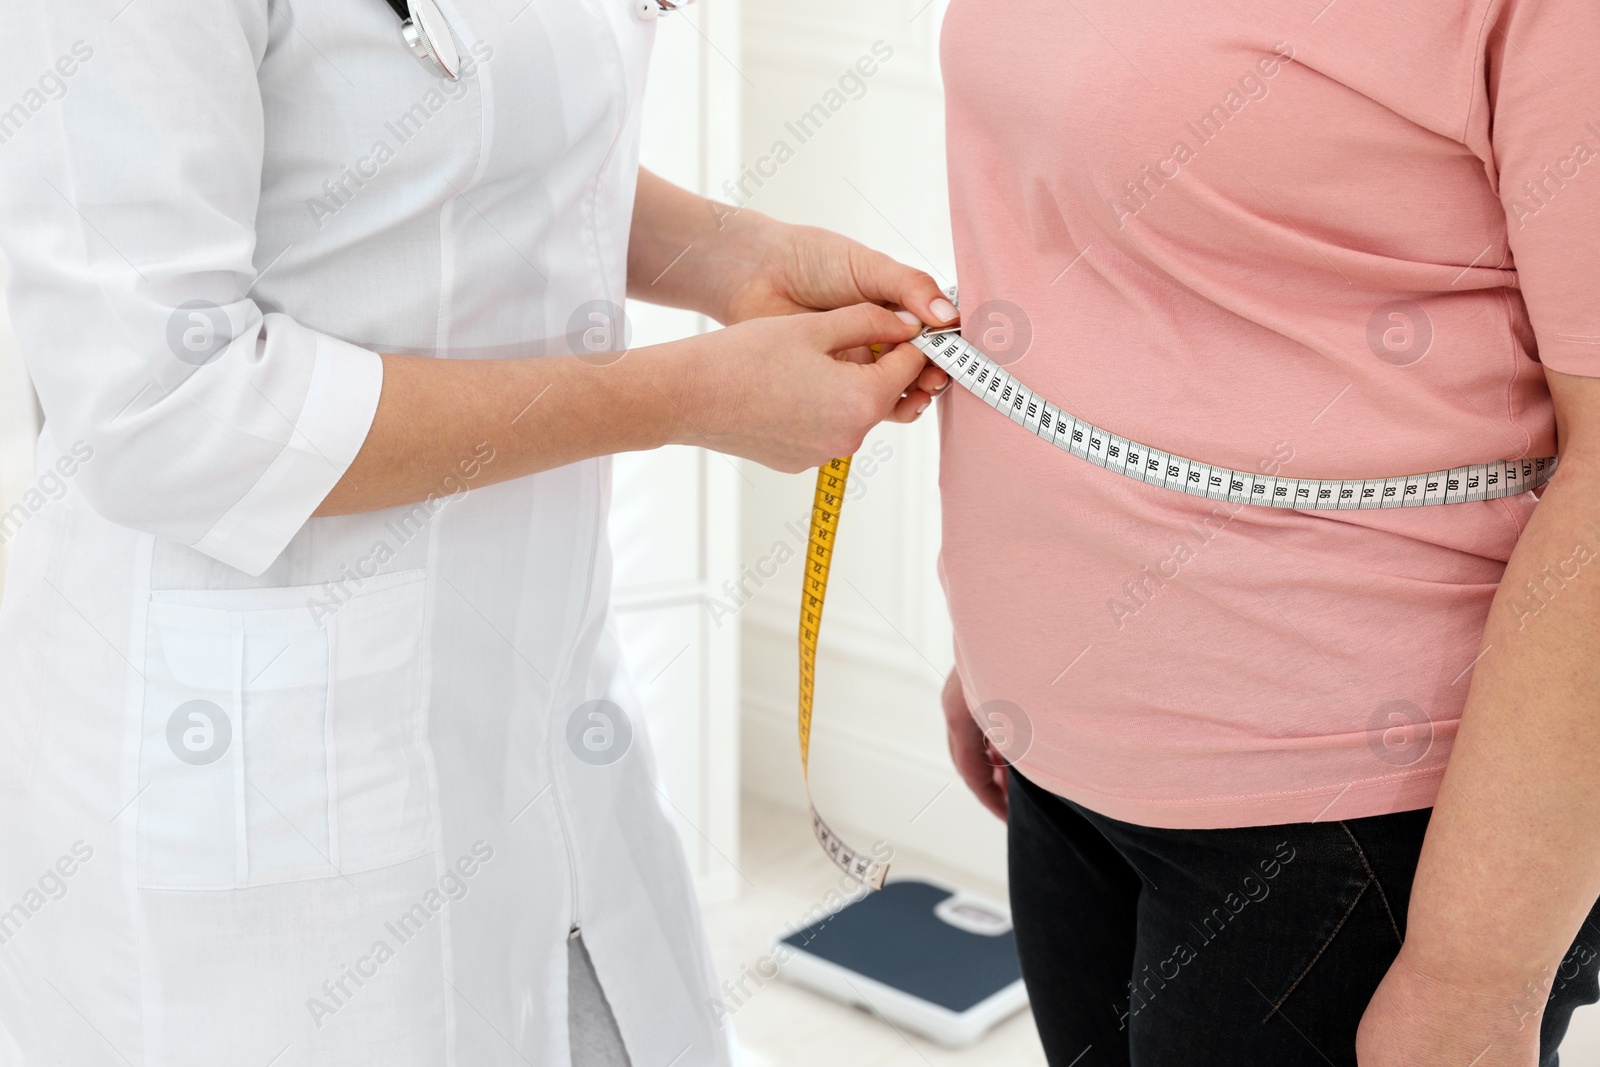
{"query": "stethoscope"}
pixel 427 33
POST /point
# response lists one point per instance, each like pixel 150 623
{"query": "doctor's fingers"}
pixel 888 281
pixel 932 380
pixel 914 404
pixel 859 326
pixel 893 380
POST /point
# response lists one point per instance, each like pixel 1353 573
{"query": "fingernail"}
pixel 906 317
pixel 943 309
pixel 923 408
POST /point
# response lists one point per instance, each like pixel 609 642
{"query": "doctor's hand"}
pixel 780 269
pixel 738 264
pixel 792 392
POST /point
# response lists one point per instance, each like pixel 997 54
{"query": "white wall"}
pixel 18 428
pixel 874 171
pixel 675 512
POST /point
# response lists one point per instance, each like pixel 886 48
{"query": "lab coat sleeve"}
pixel 127 210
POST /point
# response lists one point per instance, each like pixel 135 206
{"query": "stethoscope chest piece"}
pixel 427 34
pixel 652 9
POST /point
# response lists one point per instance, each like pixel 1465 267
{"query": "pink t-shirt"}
pixel 1332 240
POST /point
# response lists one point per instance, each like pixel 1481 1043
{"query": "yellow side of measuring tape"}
pixel 825 510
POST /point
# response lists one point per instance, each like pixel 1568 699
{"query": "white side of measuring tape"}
pixel 991 383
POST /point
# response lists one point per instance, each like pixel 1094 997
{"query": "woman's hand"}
pixel 1417 1019
pixel 776 391
pixel 979 765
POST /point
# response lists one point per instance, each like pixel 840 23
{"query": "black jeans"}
pixel 1250 947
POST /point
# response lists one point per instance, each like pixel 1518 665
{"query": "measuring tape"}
pixel 990 382
pixel 825 509
pixel 1459 485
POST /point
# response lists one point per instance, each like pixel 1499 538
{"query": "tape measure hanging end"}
pixel 825 510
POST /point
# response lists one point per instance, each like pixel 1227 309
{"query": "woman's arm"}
pixel 1511 863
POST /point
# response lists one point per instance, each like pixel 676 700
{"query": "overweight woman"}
pixel 1283 787
pixel 306 680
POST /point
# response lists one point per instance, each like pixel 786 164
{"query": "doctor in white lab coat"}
pixel 313 726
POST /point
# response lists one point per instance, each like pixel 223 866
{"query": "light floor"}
pixel 779 1025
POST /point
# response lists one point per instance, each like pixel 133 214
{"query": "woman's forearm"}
pixel 1511 864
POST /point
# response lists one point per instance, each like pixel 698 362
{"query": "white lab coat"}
pixel 371 842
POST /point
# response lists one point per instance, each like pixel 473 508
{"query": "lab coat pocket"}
pixel 282 739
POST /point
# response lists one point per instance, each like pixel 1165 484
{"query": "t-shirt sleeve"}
pixel 129 185
pixel 1544 99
